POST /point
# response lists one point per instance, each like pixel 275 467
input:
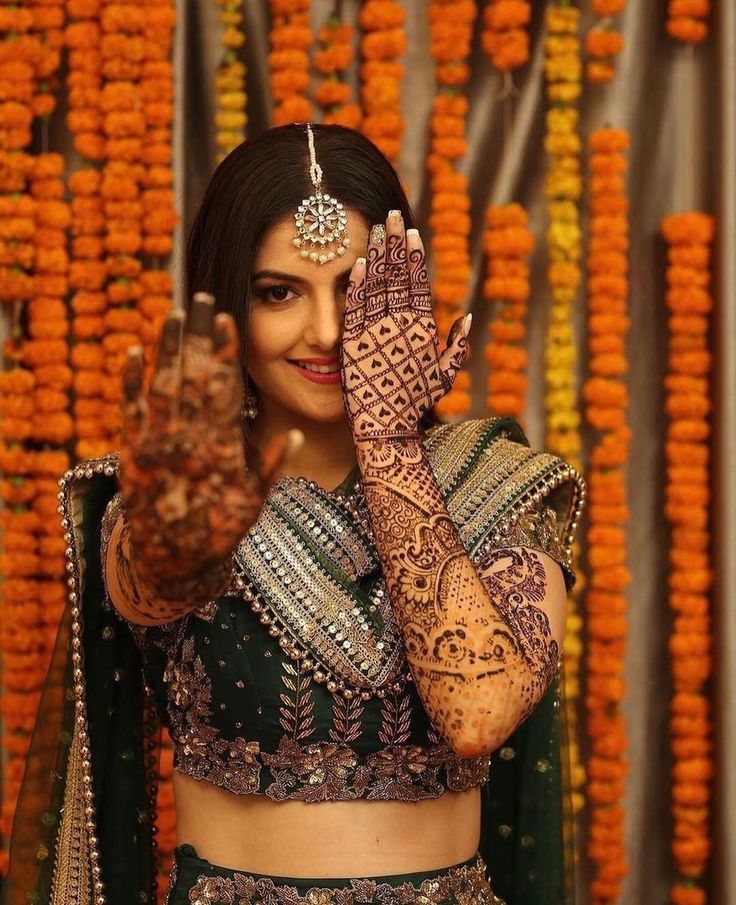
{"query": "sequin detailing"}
pixel 301 769
pixel 466 885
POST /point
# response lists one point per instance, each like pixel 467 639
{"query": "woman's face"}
pixel 296 315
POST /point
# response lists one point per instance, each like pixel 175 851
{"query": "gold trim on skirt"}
pixel 197 882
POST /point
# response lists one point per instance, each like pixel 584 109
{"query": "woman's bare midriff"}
pixel 326 839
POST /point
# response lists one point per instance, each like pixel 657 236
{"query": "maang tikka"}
pixel 320 220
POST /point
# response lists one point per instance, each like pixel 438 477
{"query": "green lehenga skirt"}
pixel 195 881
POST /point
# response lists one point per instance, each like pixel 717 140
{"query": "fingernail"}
pixel 412 232
pixel 294 440
pixel 466 324
pixel 359 261
pixel 378 234
pixel 395 215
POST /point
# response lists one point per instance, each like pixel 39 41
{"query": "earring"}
pixel 249 408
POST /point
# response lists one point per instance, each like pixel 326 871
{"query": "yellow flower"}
pixel 563 234
pixel 562 119
pixel 562 19
pixel 230 120
pixel 232 100
pixel 564 92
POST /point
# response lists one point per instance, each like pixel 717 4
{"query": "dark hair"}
pixel 264 179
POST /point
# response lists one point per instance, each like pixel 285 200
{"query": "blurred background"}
pixel 573 169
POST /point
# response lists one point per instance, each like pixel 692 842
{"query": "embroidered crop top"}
pixel 294 683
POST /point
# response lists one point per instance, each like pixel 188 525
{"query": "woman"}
pixel 335 666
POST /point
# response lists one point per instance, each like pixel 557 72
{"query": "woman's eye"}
pixel 274 294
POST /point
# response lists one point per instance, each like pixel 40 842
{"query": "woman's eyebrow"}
pixel 289 277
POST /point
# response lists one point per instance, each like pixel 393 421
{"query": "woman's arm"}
pixel 134 597
pixel 482 641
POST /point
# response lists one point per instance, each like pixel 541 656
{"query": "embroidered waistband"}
pixel 465 884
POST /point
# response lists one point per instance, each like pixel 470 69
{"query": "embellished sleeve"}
pixel 539 529
pixel 536 500
pixel 506 494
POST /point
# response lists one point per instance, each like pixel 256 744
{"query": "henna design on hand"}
pixel 478 643
pixel 392 369
pixel 188 494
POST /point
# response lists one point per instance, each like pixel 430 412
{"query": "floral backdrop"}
pixel 560 158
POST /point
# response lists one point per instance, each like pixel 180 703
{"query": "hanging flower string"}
pixel 687 20
pixel 604 43
pixel 563 189
pixel 291 38
pixel 230 97
pixel 688 405
pixel 331 61
pixel 508 242
pixel 87 268
pixel 124 127
pixel 606 404
pixel 451 30
pixel 32 278
pixel 505 37
pixel 382 45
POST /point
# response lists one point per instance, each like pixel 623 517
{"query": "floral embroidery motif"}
pixel 316 771
pixel 467 885
pixel 199 751
pixel 323 771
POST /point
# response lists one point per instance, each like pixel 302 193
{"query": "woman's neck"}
pixel 327 454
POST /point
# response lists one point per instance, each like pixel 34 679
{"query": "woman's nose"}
pixel 324 321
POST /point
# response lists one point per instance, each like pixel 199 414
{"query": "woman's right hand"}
pixel 189 495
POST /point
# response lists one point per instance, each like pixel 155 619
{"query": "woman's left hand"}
pixel 392 368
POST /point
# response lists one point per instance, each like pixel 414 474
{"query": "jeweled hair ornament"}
pixel 320 220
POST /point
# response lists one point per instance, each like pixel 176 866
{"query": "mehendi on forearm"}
pixel 479 646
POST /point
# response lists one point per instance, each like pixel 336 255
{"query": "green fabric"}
pixel 526 861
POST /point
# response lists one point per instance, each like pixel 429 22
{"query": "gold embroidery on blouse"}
pixel 313 771
pixel 466 885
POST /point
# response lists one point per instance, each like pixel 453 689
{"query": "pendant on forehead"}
pixel 321 220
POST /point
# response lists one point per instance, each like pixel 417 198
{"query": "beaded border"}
pixel 106 465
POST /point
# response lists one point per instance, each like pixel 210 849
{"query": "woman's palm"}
pixel 189 496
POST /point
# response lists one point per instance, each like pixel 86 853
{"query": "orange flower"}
pixel 603 43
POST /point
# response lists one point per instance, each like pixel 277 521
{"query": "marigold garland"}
pixel 383 43
pixel 606 404
pixel 331 61
pixel 687 20
pixel 451 29
pixel 230 97
pixel 507 243
pixel 563 188
pixel 603 42
pixel 291 38
pixel 689 238
pixel 505 37
pixel 32 281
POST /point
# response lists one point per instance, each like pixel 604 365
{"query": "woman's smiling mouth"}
pixel 318 370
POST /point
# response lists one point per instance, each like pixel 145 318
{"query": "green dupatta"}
pixel 84 830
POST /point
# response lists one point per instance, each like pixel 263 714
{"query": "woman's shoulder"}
pixel 494 481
